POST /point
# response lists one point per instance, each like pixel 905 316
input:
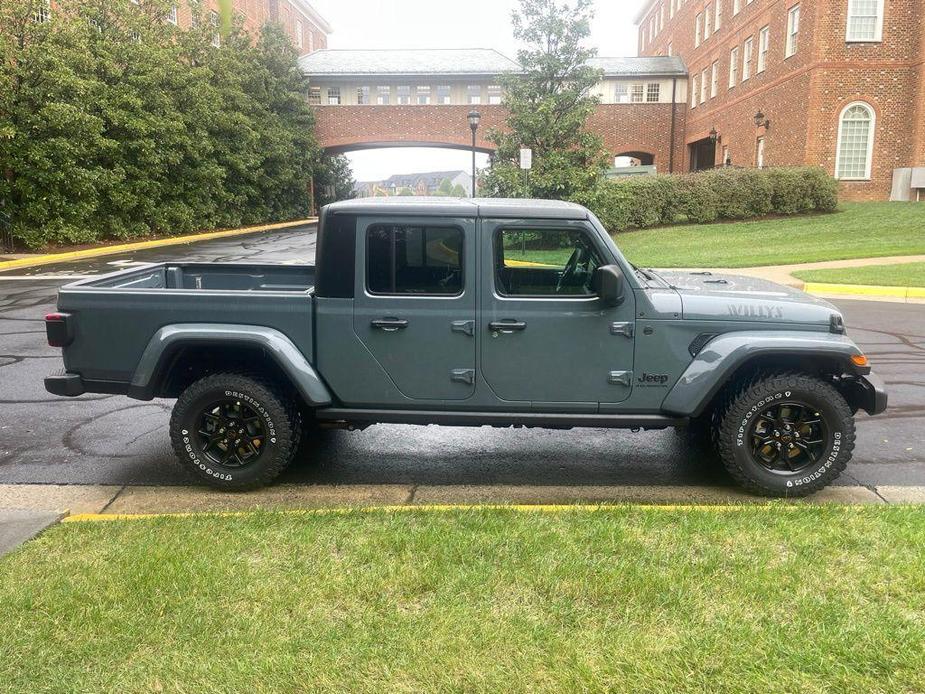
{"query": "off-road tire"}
pixel 279 415
pixel 744 402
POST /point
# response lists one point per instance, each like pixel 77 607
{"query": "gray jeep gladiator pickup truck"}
pixel 468 312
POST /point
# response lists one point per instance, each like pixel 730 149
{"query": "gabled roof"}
pixel 411 61
pixel 645 66
pixel 313 15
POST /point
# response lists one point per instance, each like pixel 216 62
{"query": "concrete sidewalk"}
pixel 783 274
pixel 105 499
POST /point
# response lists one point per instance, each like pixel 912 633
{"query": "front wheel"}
pixel 786 434
pixel 234 431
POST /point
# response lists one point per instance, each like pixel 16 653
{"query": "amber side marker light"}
pixel 859 359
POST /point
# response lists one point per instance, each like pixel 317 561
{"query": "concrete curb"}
pixel 49 258
pixel 102 500
pixel 865 290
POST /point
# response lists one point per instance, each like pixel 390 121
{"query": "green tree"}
pixel 334 180
pixel 445 188
pixel 549 104
pixel 459 191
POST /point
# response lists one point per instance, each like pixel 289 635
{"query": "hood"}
pixel 718 296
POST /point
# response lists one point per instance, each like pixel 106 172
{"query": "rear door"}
pixel 415 303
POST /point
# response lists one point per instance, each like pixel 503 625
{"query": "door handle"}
pixel 389 325
pixel 507 326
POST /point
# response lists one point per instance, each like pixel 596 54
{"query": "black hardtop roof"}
pixel 460 207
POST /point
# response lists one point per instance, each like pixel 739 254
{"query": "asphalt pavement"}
pixel 112 440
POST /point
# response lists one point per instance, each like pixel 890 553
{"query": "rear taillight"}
pixel 58 330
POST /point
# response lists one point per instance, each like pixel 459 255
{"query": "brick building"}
pixel 307 29
pixel 837 83
pixel 416 97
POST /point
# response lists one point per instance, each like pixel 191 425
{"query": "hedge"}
pixel 640 202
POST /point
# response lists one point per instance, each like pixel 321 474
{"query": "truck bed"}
pixel 210 276
pixel 118 314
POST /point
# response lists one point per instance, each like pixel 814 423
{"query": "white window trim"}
pixel 878 31
pixel 789 49
pixel 870 142
pixel 748 48
pixel 714 79
pixel 717 16
pixel 764 48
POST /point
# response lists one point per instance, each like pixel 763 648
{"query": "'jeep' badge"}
pixel 652 380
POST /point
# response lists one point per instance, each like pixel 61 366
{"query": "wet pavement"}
pixel 111 440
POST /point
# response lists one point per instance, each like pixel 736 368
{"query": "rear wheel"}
pixel 786 434
pixel 235 431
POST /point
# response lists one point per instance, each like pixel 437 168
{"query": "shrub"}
pixel 646 201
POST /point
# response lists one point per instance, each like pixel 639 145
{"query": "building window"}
pixel 311 40
pixel 299 41
pixel 637 93
pixel 727 160
pixel 621 93
pixel 217 36
pixel 362 95
pixel 793 31
pixel 403 94
pixel 669 48
pixel 652 92
pixel 171 14
pixel 443 94
pixel 718 17
pixel 707 14
pixel 733 67
pixel 693 92
pixel 661 18
pixel 474 94
pixel 333 96
pixel 736 6
pixel 764 39
pixel 698 29
pixel 494 94
pixel 314 96
pixel 423 94
pixel 865 20
pixel 714 79
pixel 747 58
pixel 759 153
pixel 855 142
pixel 383 95
pixel 703 86
pixel 42 12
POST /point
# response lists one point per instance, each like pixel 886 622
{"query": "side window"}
pixel 545 262
pixel 414 260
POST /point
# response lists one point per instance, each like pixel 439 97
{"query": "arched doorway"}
pixel 633 158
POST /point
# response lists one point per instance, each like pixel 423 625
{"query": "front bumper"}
pixel 867 393
pixel 66 384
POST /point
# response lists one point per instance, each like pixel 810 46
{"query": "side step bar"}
pixel 499 419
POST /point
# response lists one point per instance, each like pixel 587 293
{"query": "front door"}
pixel 415 305
pixel 546 337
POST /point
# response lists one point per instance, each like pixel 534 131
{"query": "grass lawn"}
pixel 858 230
pixel 905 275
pixel 762 599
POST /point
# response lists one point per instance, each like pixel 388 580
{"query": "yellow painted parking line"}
pixel 85 253
pixel 864 290
pixel 438 508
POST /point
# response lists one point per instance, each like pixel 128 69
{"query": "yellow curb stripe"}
pixel 440 508
pixel 50 258
pixel 864 290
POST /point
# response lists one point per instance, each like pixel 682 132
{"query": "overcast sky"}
pixel 449 24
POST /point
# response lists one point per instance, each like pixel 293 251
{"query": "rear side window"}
pixel 414 259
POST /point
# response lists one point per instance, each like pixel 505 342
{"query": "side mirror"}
pixel 609 284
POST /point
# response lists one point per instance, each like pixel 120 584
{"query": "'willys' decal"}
pixel 753 311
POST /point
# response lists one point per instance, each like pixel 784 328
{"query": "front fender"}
pixel 280 348
pixel 719 359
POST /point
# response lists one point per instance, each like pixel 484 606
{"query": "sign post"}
pixel 526 163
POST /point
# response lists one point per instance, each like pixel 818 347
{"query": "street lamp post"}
pixel 474 118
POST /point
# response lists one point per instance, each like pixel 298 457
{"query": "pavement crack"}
pixel 114 497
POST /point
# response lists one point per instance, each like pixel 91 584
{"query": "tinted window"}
pixel 414 260
pixel 545 262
